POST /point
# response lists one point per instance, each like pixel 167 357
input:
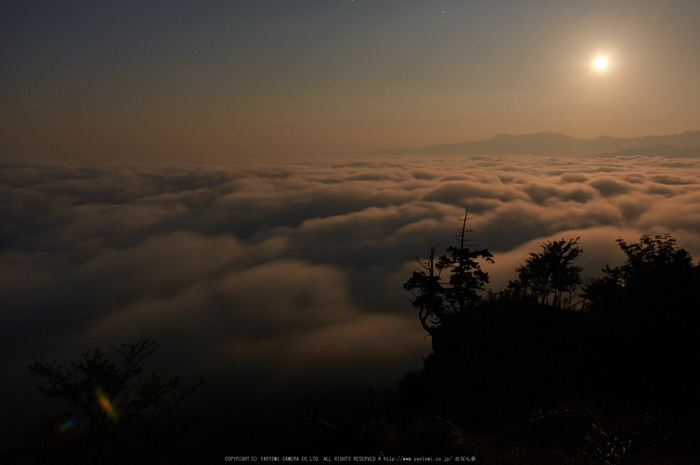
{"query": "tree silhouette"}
pixel 466 277
pixel 656 265
pixel 437 301
pixel 550 273
pixel 647 313
pixel 614 383
pixel 657 280
pixel 424 284
pixel 110 409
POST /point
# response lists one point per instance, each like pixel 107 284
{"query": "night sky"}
pixel 96 82
pixel 210 174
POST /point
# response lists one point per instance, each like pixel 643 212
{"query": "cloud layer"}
pixel 290 271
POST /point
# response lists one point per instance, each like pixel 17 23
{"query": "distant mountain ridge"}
pixel 686 144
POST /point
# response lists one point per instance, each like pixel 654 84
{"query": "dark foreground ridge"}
pixel 549 370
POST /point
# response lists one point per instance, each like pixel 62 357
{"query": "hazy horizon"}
pixel 223 82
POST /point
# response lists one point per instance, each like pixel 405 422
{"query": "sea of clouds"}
pixel 255 276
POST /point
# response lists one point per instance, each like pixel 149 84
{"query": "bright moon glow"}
pixel 600 63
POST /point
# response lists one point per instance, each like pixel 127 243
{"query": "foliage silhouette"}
pixel 427 291
pixel 439 303
pixel 657 275
pixel 110 413
pixel 629 348
pixel 321 428
pixel 550 273
pixel 524 375
pixel 529 377
pixel 647 310
pixel 466 277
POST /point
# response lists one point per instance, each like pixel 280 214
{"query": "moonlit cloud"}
pixel 295 269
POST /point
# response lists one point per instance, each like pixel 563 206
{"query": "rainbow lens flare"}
pixel 67 425
pixel 106 405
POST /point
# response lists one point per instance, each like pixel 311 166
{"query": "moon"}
pixel 600 63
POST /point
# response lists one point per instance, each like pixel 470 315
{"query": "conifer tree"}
pixel 436 300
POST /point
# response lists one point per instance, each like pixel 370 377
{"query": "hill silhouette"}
pixel 665 151
pixel 550 370
pixel 686 144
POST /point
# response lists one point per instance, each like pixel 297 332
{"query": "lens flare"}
pixel 67 425
pixel 106 405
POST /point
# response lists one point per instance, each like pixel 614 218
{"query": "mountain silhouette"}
pixel 686 144
pixel 666 151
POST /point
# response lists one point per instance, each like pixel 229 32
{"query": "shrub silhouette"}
pixel 528 376
pixel 111 412
pixel 647 310
pixel 496 357
pixel 631 347
pixel 324 428
pixel 550 273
